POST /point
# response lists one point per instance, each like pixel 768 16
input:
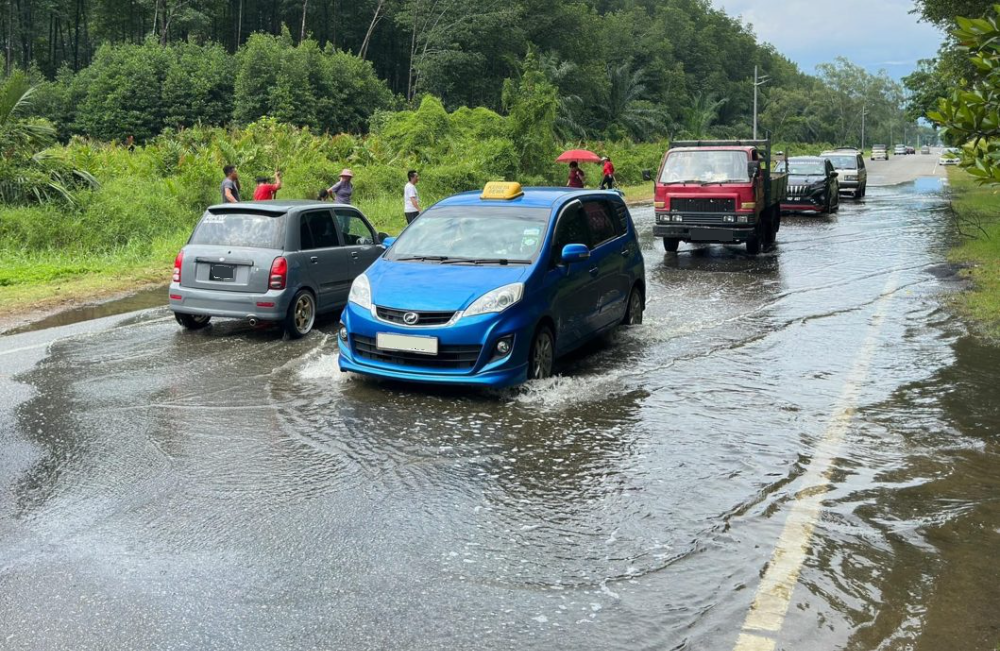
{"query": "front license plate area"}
pixel 223 272
pixel 407 343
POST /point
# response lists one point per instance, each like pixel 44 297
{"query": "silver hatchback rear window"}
pixel 243 229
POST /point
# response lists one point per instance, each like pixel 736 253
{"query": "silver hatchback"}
pixel 280 261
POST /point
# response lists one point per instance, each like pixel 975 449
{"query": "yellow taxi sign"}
pixel 501 190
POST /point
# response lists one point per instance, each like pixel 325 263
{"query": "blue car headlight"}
pixel 361 293
pixel 496 300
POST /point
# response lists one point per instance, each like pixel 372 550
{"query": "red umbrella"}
pixel 578 155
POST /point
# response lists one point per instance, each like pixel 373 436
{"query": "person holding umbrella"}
pixel 576 177
pixel 574 157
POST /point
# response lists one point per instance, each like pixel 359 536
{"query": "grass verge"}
pixel 977 214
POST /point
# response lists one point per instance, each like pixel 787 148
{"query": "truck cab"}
pixel 718 191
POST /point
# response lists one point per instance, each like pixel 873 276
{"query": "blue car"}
pixel 490 289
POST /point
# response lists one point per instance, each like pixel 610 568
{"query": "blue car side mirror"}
pixel 387 241
pixel 575 253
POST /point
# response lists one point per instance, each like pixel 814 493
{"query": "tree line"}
pixel 621 69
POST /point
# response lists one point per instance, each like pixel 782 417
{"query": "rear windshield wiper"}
pixel 422 258
pixel 500 261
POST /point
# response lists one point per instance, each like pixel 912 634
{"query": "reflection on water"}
pixel 147 298
pixel 237 491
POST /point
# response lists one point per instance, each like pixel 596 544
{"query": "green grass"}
pixel 977 211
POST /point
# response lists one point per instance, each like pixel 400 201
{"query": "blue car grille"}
pixel 702 205
pixel 448 357
pixel 423 318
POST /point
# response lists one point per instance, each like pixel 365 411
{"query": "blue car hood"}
pixel 436 287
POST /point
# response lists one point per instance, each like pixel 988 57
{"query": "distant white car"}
pixel 949 159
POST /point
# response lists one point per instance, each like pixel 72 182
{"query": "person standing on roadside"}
pixel 230 185
pixel 576 177
pixel 411 200
pixel 608 182
pixel 266 191
pixel 344 188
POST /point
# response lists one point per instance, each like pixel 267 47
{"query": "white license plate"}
pixel 407 343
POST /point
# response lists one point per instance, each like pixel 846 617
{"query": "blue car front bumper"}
pixel 467 350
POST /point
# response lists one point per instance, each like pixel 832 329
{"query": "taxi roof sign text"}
pixel 501 190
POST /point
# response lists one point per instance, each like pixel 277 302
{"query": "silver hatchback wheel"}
pixel 543 355
pixel 301 315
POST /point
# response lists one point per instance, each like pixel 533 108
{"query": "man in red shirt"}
pixel 266 190
pixel 608 182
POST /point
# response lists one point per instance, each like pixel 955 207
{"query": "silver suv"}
pixel 850 166
pixel 280 261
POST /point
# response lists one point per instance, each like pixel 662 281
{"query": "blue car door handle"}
pixel 626 252
pixel 594 270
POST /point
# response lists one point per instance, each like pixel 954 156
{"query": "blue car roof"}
pixel 540 197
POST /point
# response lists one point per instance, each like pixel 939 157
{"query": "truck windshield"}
pixel 706 166
pixel 239 229
pixel 844 162
pixel 804 168
pixel 480 234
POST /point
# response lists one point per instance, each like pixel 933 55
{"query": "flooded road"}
pixel 795 451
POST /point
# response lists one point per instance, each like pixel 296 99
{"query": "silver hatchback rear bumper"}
pixel 270 306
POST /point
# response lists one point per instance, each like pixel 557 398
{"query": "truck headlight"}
pixel 678 218
pixel 496 300
pixel 361 293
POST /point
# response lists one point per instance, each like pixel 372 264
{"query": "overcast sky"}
pixel 872 33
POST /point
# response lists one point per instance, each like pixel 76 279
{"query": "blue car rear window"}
pixel 484 232
pixel 240 229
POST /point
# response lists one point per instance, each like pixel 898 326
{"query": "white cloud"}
pixel 872 33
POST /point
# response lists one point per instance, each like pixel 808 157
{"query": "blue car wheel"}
pixel 543 354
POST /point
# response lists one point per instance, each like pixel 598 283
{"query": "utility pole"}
pixel 864 113
pixel 757 83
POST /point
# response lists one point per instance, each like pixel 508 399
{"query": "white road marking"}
pixel 774 594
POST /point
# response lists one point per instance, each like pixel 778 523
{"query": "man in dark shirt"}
pixel 230 185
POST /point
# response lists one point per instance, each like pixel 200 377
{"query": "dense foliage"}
pixel 971 112
pixel 638 69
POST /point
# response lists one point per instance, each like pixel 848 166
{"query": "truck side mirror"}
pixel 752 168
pixel 647 175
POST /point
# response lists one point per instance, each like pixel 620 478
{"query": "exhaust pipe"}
pixel 253 322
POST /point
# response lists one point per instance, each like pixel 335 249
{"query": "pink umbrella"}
pixel 578 155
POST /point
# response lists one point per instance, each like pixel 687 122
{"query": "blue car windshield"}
pixel 485 233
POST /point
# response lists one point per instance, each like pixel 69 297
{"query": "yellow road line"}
pixel 774 594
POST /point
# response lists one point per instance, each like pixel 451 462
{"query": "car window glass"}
pixel 572 229
pixel 305 235
pixel 321 226
pixel 354 229
pixel 239 229
pixel 622 217
pixel 602 226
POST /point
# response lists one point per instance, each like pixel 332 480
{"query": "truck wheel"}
pixel 192 321
pixel 753 244
pixel 301 315
pixel 671 244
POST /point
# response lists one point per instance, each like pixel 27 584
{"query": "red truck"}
pixel 720 191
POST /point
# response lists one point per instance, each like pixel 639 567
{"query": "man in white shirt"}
pixel 411 201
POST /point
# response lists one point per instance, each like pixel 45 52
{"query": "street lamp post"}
pixel 864 114
pixel 757 83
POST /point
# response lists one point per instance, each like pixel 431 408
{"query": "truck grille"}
pixel 702 205
pixel 423 318
pixel 448 357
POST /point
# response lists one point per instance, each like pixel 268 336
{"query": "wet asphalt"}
pixel 227 489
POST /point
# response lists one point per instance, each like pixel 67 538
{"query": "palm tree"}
pixel 623 107
pixel 701 115
pixel 29 173
pixel 569 115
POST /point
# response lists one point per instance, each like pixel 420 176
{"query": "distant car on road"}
pixel 850 165
pixel 910 150
pixel 899 150
pixel 950 156
pixel 279 261
pixel 490 289
pixel 813 185
pixel 926 149
pixel 880 152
